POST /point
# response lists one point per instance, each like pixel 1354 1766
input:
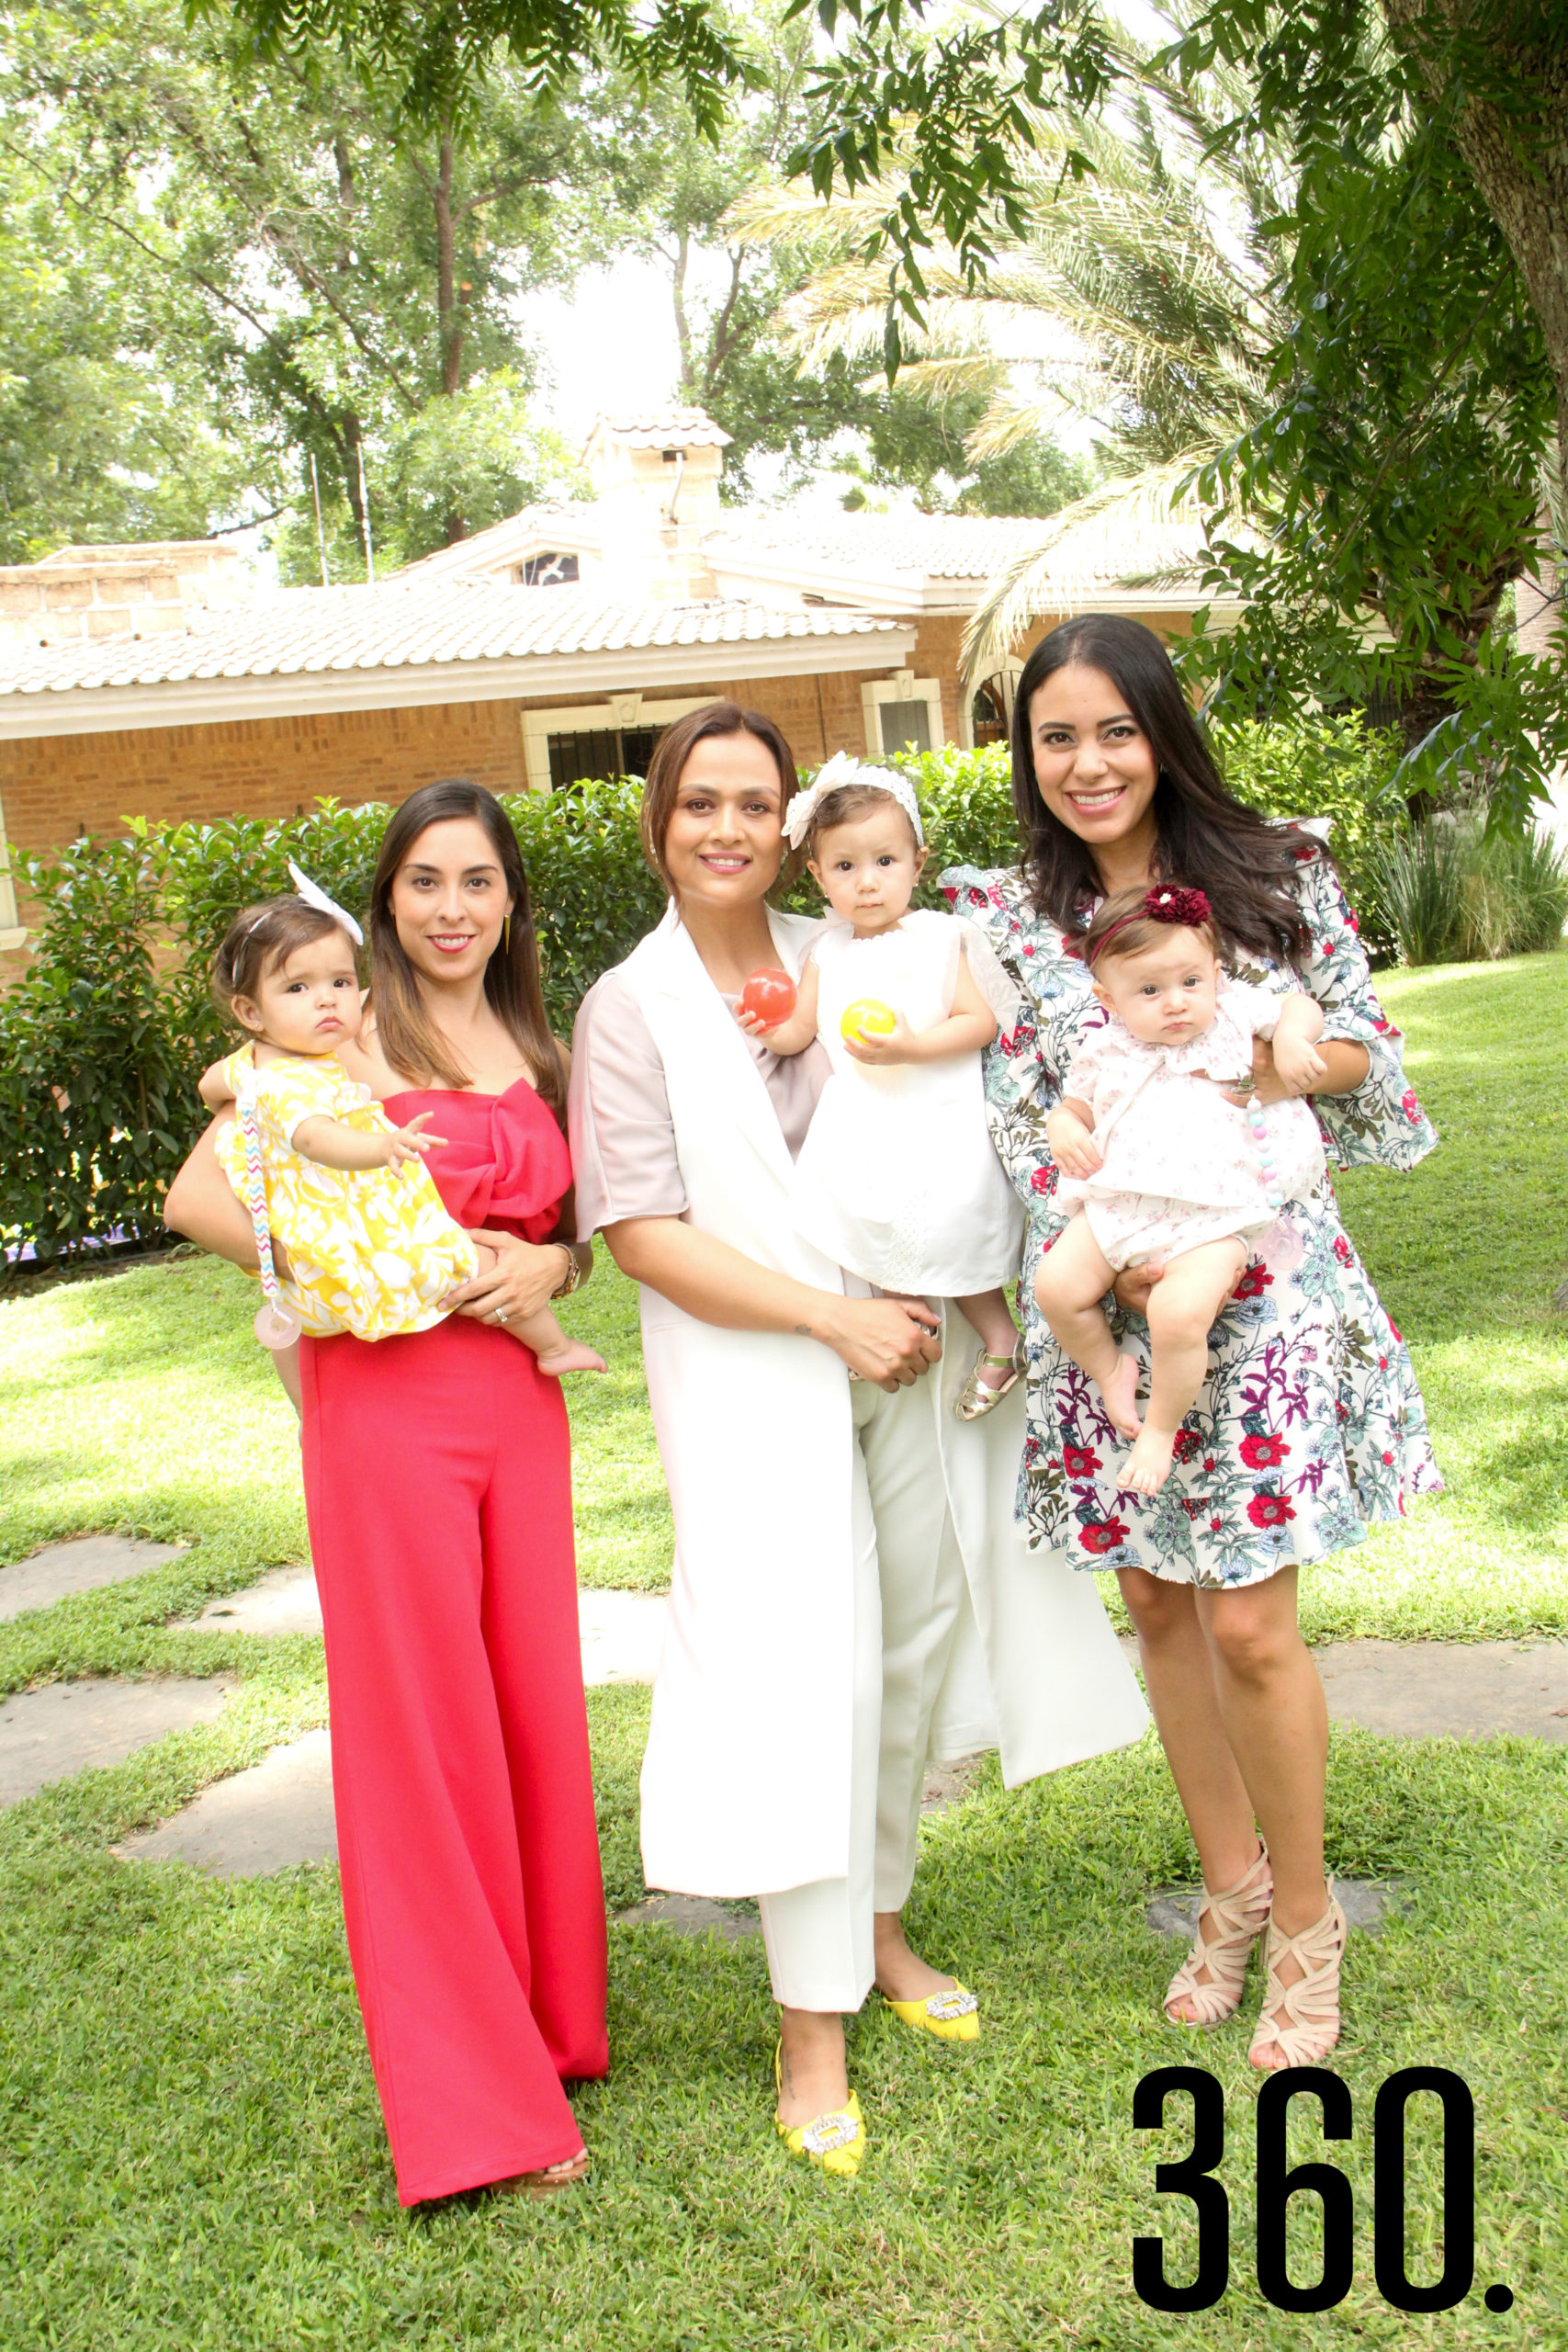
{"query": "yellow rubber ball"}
pixel 867 1014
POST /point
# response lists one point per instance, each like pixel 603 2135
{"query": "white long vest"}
pixel 746 1781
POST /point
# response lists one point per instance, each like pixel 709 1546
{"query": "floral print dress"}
pixel 1310 1423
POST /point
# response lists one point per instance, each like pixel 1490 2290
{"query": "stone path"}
pixel 79 1566
pixel 283 1601
pixel 620 1631
pixel 67 1727
pixel 279 1812
pixel 1458 1689
pixel 1366 1906
pixel 1444 1689
pixel 273 1816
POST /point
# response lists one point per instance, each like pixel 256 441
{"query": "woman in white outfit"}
pixel 849 1595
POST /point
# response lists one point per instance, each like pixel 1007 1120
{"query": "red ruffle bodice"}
pixel 504 1164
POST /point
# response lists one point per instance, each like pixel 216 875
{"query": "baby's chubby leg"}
pixel 557 1350
pixel 1181 1310
pixel 988 1316
pixel 1074 1276
pixel 286 1363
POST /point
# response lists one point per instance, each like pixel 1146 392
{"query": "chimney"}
pixel 656 474
pixel 116 591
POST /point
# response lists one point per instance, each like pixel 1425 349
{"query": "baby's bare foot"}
pixel 1120 1394
pixel 573 1357
pixel 1148 1464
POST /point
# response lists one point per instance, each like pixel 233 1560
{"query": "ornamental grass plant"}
pixel 1455 894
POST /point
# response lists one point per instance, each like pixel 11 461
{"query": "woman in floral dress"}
pixel 1310 1423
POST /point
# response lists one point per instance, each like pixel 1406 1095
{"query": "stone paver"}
pixel 621 1632
pixel 80 1565
pixel 279 1812
pixel 1443 1689
pixel 1366 1906
pixel 1455 1690
pixel 692 1914
pixel 46 1735
pixel 276 1814
pixel 283 1601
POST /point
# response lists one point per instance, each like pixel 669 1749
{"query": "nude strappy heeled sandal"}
pixel 1241 1913
pixel 1302 2020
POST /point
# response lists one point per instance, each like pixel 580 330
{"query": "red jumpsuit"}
pixel 438 1482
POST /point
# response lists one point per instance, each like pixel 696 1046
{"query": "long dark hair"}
pixel 676 747
pixel 408 1036
pixel 1206 837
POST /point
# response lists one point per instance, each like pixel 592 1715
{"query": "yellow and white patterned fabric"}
pixel 371 1251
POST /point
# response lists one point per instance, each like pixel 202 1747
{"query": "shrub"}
pixel 102 1041
pixel 1339 768
pixel 97 1083
pixel 1457 895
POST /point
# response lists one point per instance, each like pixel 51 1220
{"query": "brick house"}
pixel 150 681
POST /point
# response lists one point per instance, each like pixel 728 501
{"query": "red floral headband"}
pixel 1183 909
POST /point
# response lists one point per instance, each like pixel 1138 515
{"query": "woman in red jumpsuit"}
pixel 438 1482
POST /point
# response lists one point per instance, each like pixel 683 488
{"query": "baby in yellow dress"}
pixel 371 1248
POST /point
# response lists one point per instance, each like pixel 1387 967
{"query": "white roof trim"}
pixel 208 702
pixel 877 591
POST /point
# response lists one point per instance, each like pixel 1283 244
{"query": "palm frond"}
pixel 1139 526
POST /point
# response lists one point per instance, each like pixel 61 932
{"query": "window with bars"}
pixel 906 727
pixel 588 752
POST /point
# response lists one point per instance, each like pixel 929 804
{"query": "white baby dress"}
pixel 898 1179
pixel 1180 1166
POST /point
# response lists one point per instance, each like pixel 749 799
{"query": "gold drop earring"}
pixel 506 933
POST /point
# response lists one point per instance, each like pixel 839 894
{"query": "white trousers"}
pixel 909 1591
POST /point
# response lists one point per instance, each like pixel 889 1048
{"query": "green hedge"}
pixel 102 1041
pixel 1339 768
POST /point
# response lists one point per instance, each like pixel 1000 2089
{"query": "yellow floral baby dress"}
pixel 371 1251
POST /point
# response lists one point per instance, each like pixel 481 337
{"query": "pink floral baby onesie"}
pixel 1179 1165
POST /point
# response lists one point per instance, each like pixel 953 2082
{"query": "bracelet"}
pixel 573 1277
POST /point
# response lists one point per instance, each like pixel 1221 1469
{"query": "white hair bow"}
pixel 831 777
pixel 314 896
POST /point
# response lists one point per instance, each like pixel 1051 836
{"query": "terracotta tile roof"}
pixel 394 627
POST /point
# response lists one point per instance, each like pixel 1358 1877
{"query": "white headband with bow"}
pixel 838 772
pixel 314 896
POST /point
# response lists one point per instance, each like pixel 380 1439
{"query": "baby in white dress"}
pixel 1158 1162
pixel 898 1179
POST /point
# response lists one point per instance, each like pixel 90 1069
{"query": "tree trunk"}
pixel 448 304
pixel 449 317
pixel 1518 160
pixel 682 324
pixel 351 437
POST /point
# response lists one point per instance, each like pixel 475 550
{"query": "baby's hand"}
pixel 882 1047
pixel 407 1143
pixel 1073 1147
pixel 1299 1064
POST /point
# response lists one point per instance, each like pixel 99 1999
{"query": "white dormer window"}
pixel 548 571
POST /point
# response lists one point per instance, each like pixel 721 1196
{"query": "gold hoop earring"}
pixel 506 934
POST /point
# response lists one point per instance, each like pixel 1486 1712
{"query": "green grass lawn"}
pixel 190 2151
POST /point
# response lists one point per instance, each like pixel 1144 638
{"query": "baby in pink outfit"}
pixel 1157 1161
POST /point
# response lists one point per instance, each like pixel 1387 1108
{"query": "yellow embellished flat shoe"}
pixel 951 2016
pixel 978 1397
pixel 835 2143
